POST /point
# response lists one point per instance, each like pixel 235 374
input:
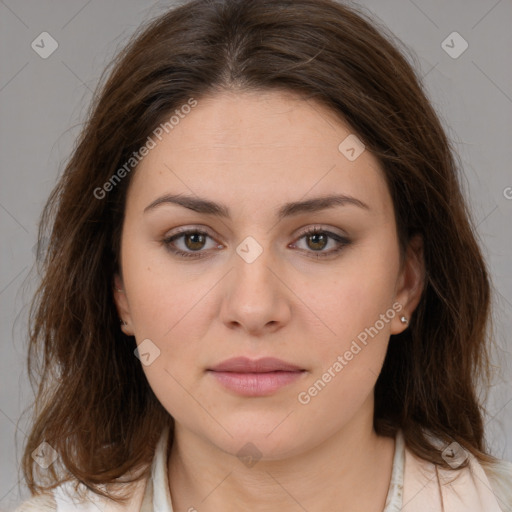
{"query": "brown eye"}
pixel 194 241
pixel 318 241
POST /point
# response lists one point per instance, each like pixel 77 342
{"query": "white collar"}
pixel 161 497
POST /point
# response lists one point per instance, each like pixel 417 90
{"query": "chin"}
pixel 270 440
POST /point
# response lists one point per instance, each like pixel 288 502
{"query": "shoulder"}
pixel 70 496
pixel 479 486
pixel 73 496
pixel 499 474
pixel 39 503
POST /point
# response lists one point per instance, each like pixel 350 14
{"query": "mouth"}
pixel 261 377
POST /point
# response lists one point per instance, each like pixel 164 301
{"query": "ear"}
pixel 122 306
pixel 410 283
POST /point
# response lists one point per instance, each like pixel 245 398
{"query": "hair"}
pixel 93 404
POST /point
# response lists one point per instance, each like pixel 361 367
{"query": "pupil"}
pixel 199 240
pixel 315 238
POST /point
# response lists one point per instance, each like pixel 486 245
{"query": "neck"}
pixel 350 470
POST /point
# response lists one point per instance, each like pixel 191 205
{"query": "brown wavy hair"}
pixel 93 402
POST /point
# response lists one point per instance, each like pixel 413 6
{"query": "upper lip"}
pixel 246 365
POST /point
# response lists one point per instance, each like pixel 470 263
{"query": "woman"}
pixel 263 288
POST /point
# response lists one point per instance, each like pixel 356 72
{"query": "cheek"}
pixel 371 278
pixel 169 312
pixel 162 295
pixel 170 309
pixel 349 361
pixel 355 307
pixel 354 295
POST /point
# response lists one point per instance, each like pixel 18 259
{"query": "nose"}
pixel 256 298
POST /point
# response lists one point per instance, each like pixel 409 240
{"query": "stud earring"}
pixel 404 320
pixel 119 290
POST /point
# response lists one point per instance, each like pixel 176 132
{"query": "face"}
pixel 250 278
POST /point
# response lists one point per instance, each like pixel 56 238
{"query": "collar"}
pixel 158 495
pixel 428 487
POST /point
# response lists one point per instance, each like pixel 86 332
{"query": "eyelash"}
pixel 344 242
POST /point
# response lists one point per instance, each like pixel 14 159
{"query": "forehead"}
pixel 270 146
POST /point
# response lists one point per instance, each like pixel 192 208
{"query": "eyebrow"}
pixel 205 206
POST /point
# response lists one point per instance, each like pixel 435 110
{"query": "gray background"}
pixel 43 102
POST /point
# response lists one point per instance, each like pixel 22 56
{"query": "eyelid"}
pixel 319 227
pixel 341 240
pixel 303 231
pixel 191 228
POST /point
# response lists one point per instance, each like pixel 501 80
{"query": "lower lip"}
pixel 256 384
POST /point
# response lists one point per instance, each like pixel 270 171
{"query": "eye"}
pixel 317 239
pixel 193 239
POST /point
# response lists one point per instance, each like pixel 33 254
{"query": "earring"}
pixel 119 290
pixel 404 320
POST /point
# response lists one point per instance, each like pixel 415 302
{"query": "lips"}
pixel 263 365
pixel 258 377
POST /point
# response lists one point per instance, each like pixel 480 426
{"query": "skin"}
pixel 254 152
